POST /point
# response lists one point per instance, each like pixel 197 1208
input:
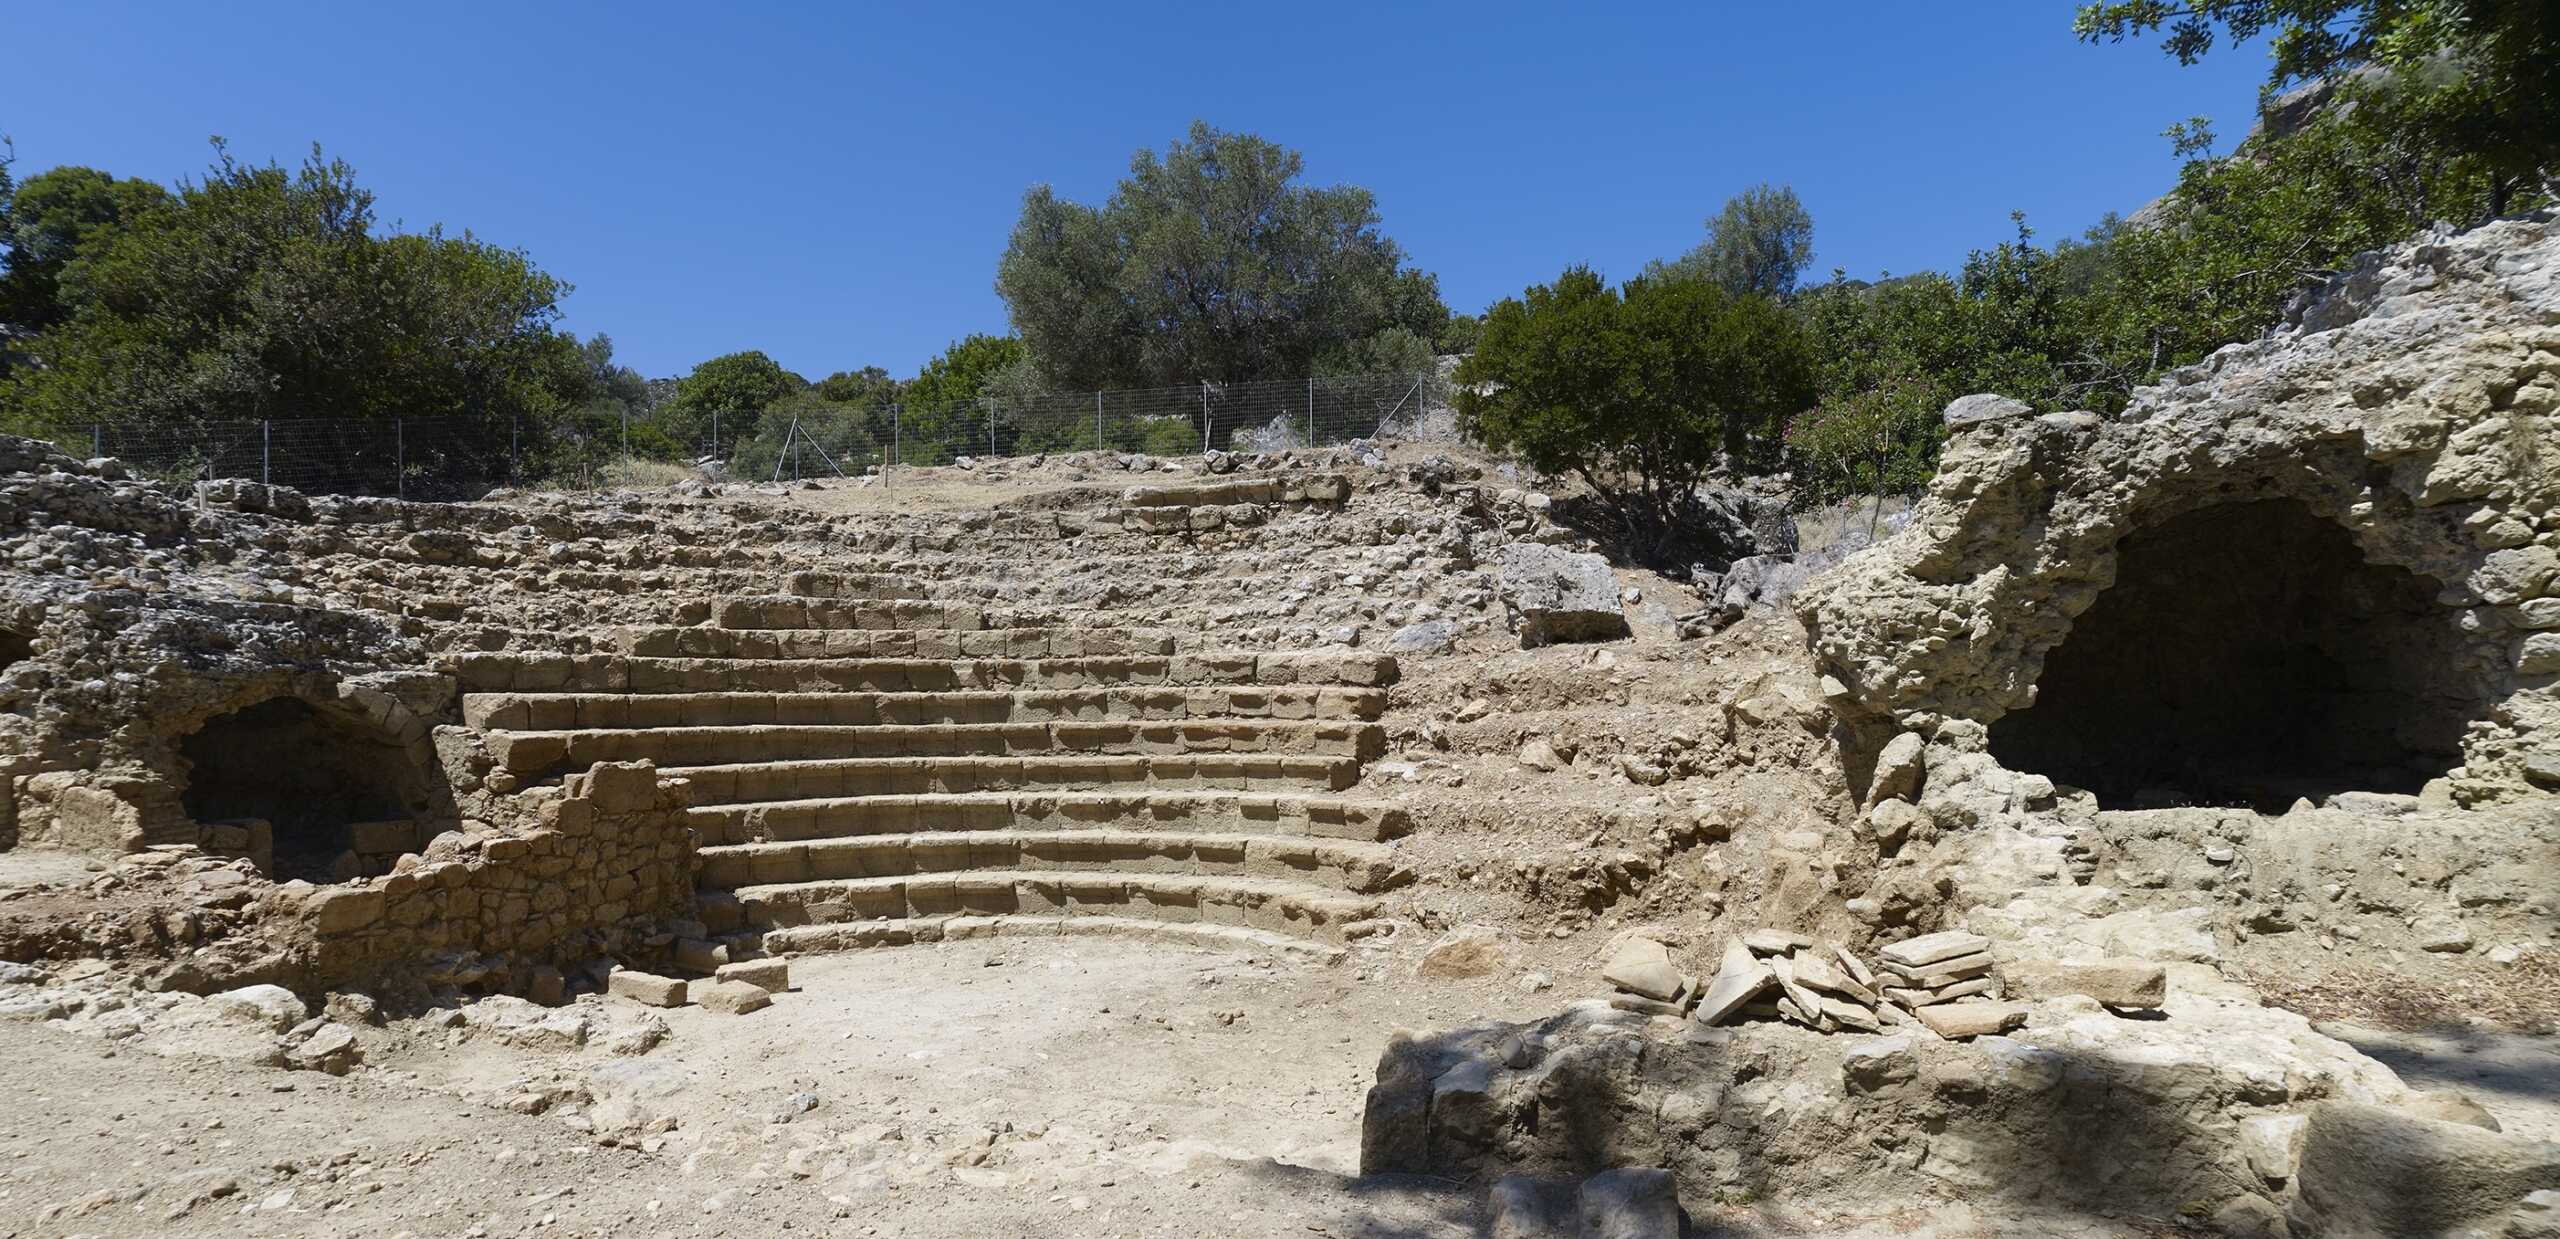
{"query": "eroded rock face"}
pixel 2348 531
pixel 2220 1108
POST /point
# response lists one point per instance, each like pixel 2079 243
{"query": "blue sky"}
pixel 833 183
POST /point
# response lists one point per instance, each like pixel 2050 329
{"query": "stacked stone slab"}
pixel 872 766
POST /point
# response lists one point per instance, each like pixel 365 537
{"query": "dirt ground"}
pixel 981 1088
pixel 984 1088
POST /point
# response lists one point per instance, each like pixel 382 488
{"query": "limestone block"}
pixel 1958 1020
pixel 731 997
pixel 1643 966
pixel 770 975
pixel 646 989
pixel 1557 595
pixel 1898 768
pixel 2121 983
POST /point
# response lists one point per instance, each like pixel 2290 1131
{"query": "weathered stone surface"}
pixel 2122 983
pixel 1520 1206
pixel 271 1005
pixel 1467 951
pixel 1629 1203
pixel 2370 1170
pixel 1643 966
pixel 1932 948
pixel 1557 595
pixel 1426 637
pixel 1898 767
pixel 1955 1020
pixel 730 997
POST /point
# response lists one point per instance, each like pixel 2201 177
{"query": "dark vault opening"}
pixel 312 775
pixel 2247 655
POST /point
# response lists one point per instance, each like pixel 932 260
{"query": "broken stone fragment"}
pixel 1958 1020
pixel 1858 971
pixel 2126 984
pixel 1738 980
pixel 330 1048
pixel 1643 966
pixel 1929 976
pixel 1814 972
pixel 1931 948
pixel 1775 941
pixel 271 1005
pixel 1897 769
pixel 1850 1015
pixel 1804 1003
pixel 731 997
pixel 1641 1005
pixel 646 989
pixel 1918 998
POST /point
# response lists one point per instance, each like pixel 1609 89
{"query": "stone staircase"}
pixel 871 765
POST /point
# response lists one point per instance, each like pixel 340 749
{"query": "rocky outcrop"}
pixel 2411 411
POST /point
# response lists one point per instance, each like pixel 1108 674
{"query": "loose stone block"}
pixel 646 989
pixel 1738 980
pixel 2122 983
pixel 1958 1020
pixel 732 997
pixel 1931 948
pixel 770 975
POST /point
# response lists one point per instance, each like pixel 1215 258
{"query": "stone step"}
pixel 540 753
pixel 905 931
pixel 838 778
pixel 1213 811
pixel 853 585
pixel 749 612
pixel 939 643
pixel 618 673
pixel 1364 868
pixel 593 711
pixel 1255 903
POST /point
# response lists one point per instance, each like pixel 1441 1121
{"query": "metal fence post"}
pixel 266 448
pixel 97 440
pixel 626 430
pixel 715 433
pixel 1098 441
pixel 515 451
pixel 1204 418
pixel 1311 410
pixel 400 457
pixel 991 426
pixel 897 449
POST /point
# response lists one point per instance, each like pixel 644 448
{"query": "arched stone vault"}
pixel 2411 405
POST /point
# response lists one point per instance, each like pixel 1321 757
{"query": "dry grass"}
pixel 626 473
pixel 1817 528
pixel 2523 996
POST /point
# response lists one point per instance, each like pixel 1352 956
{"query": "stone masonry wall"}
pixel 611 858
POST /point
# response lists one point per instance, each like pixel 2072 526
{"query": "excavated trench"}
pixel 316 777
pixel 2247 655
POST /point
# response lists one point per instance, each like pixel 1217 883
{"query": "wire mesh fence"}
pixel 464 456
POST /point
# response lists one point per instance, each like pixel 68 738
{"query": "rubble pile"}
pixel 1945 982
